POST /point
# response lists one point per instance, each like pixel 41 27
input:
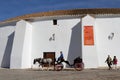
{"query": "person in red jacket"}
pixel 115 61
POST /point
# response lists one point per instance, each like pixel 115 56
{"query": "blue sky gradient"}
pixel 13 8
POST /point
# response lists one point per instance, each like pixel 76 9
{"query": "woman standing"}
pixel 115 62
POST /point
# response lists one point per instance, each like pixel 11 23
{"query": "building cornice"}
pixel 96 11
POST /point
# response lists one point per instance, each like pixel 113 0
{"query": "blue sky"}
pixel 13 8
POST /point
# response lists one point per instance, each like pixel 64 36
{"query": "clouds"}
pixel 12 8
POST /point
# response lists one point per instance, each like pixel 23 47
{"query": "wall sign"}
pixel 88 35
pixel 52 38
pixel 111 35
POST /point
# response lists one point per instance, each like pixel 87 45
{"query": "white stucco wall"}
pixel 21 51
pixel 6 40
pixel 89 53
pixel 27 47
pixel 26 41
pixel 103 28
pixel 67 38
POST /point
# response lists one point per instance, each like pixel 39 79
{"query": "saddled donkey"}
pixel 43 61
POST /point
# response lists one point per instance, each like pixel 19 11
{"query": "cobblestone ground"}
pixel 87 74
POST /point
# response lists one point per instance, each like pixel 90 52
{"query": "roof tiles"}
pixel 67 12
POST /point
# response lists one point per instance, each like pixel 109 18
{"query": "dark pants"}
pixel 62 60
pixel 109 65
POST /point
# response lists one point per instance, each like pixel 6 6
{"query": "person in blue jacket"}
pixel 61 59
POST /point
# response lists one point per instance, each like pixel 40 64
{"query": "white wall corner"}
pixel 89 51
pixel 88 20
pixel 18 43
pixel 27 47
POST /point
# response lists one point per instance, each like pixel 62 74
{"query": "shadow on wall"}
pixel 8 24
pixel 7 54
pixel 75 48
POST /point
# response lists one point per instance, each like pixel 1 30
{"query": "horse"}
pixel 43 61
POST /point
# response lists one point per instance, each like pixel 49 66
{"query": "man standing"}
pixel 109 62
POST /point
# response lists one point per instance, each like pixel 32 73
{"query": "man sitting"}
pixel 61 59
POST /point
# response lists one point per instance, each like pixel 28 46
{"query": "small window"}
pixel 54 22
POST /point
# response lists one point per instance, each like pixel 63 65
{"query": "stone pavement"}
pixel 36 74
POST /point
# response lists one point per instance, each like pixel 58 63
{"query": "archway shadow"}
pixel 75 48
pixel 7 54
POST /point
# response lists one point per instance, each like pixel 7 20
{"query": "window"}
pixel 54 22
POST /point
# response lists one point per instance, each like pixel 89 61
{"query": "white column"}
pixel 89 53
pixel 21 51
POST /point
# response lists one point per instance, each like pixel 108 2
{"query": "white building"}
pixel 92 34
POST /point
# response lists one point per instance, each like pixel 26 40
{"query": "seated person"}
pixel 61 59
